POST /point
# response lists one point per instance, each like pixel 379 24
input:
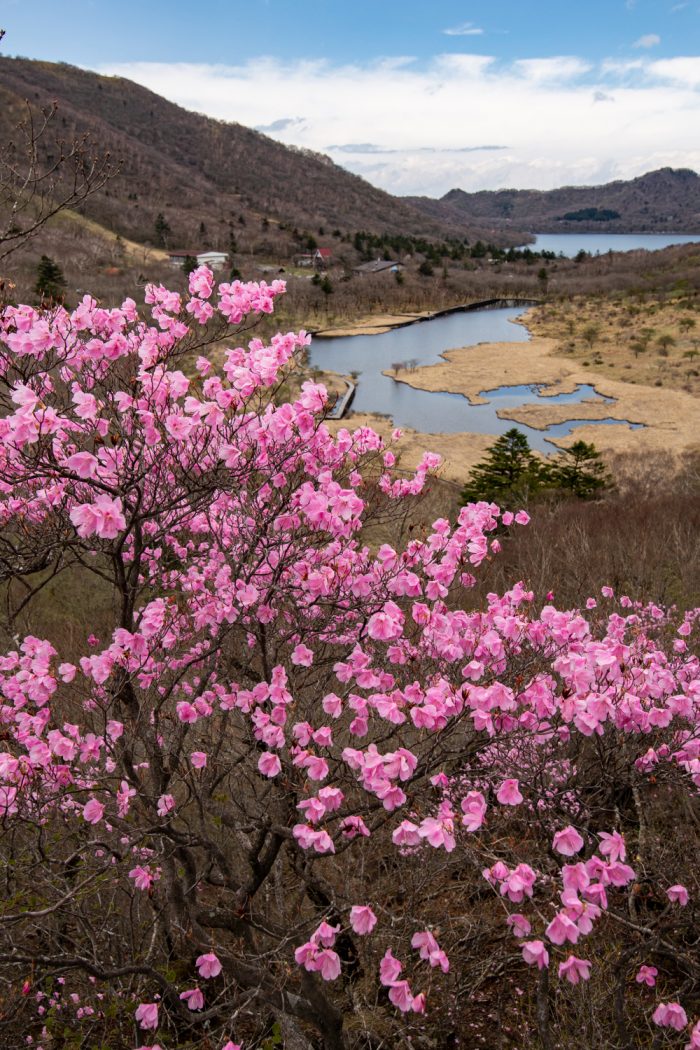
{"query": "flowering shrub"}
pixel 300 779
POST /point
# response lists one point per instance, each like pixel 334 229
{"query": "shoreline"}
pixel 379 324
pixel 668 420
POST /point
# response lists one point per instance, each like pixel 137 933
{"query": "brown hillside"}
pixel 205 176
pixel 663 201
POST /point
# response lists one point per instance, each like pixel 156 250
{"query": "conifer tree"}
pixel 162 229
pixel 509 473
pixel 580 471
pixel 189 264
pixel 50 282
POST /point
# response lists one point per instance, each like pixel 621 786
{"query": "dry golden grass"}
pixel 139 251
pixel 622 336
pixel 648 388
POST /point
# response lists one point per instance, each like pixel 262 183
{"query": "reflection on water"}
pixel 367 357
pixel 514 396
pixel 558 430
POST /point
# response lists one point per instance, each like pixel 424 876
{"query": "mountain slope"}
pixel 203 175
pixel 667 200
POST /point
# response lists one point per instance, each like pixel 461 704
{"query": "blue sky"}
pixel 91 32
pixel 417 97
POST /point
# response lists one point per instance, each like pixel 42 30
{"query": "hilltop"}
pixel 226 187
pixel 210 179
pixel 663 201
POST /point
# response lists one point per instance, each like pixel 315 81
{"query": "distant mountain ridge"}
pixel 217 183
pixel 663 201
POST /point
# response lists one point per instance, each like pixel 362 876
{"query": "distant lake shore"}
pixel 570 244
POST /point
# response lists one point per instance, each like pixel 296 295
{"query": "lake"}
pixel 570 244
pixel 434 412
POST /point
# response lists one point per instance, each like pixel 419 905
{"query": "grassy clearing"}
pixel 651 341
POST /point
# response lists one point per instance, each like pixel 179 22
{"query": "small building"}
pixel 319 258
pixel 378 266
pixel 214 260
pixel 177 259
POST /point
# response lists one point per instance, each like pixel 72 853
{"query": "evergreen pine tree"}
pixel 50 282
pixel 189 264
pixel 509 474
pixel 162 229
pixel 580 471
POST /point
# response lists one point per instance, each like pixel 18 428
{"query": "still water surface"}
pixel 570 244
pixel 368 356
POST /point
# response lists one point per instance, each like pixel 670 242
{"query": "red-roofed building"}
pixel 319 258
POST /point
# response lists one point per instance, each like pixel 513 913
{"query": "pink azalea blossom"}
pixel 575 969
pixel 269 764
pixel 430 950
pixel 400 995
pixel 678 895
pixel 328 964
pixel 305 955
pixel 509 794
pixel 165 804
pixel 147 1015
pixel 535 954
pixel 389 968
pixel 647 975
pixel 194 998
pixel 567 842
pixel 561 929
pixel 362 919
pixel 198 759
pixel 83 463
pixel 103 518
pixel 143 877
pixel 325 934
pixel 186 712
pixel 612 845
pixel 93 811
pixel 208 965
pixel 474 810
pixel 670 1015
pixel 520 925
pixel 694 1043
pixel 302 656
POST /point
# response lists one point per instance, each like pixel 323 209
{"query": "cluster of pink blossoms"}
pixel 231 516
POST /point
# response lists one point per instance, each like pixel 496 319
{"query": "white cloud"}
pixel 422 129
pixel 562 67
pixel 683 71
pixel 465 29
pixel 648 40
pixel 621 67
pixel 283 124
pixel 471 67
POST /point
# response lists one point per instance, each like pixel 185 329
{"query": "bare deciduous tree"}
pixel 36 183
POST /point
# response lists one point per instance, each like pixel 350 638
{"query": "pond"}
pixel 570 244
pixel 368 356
